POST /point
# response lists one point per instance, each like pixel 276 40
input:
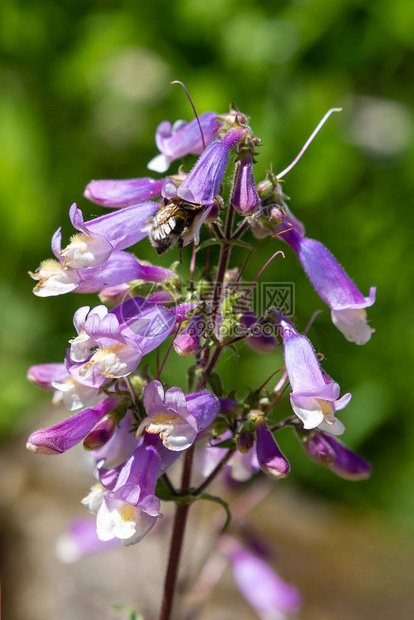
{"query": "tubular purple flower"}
pixel 244 196
pixel 315 397
pixel 123 192
pixel 262 339
pixel 177 418
pixel 130 509
pixel 318 449
pixel 68 433
pixel 121 267
pixel 334 287
pixel 202 184
pixel 70 390
pixel 265 591
pixel 271 460
pixel 43 375
pixel 347 464
pixel 121 345
pixel 175 141
pixel 98 238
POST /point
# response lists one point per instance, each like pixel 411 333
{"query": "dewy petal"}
pixel 123 192
pixel 66 434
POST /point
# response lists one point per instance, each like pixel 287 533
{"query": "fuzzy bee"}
pixel 173 223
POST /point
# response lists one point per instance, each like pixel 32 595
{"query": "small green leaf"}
pixel 215 382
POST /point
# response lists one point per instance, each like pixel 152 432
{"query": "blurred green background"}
pixel 83 87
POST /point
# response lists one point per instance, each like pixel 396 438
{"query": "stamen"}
pixel 195 111
pixel 307 143
pixel 311 321
pixel 253 250
pixel 259 274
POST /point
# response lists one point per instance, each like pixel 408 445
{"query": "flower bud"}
pixel 244 196
pixel 100 434
pixel 245 441
pixel 347 464
pixel 188 341
pixel 265 188
pixel 277 214
pixel 271 459
pixel 318 449
pixel 114 295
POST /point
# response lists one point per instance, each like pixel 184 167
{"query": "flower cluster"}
pixel 134 426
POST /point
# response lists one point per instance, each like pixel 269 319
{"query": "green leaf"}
pixel 215 382
pixel 162 491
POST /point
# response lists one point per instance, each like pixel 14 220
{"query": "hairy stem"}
pixel 177 538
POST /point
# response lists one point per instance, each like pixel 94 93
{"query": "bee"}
pixel 172 223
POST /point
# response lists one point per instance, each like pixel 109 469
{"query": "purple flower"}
pixel 202 184
pixel 177 418
pixel 346 464
pixel 68 433
pixel 314 397
pixel 56 279
pixel 244 197
pixel 123 192
pixel 130 509
pixel 175 141
pixel 261 339
pixel 98 238
pixel 265 591
pixel 71 390
pixel 121 343
pixel 269 455
pixel 334 287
